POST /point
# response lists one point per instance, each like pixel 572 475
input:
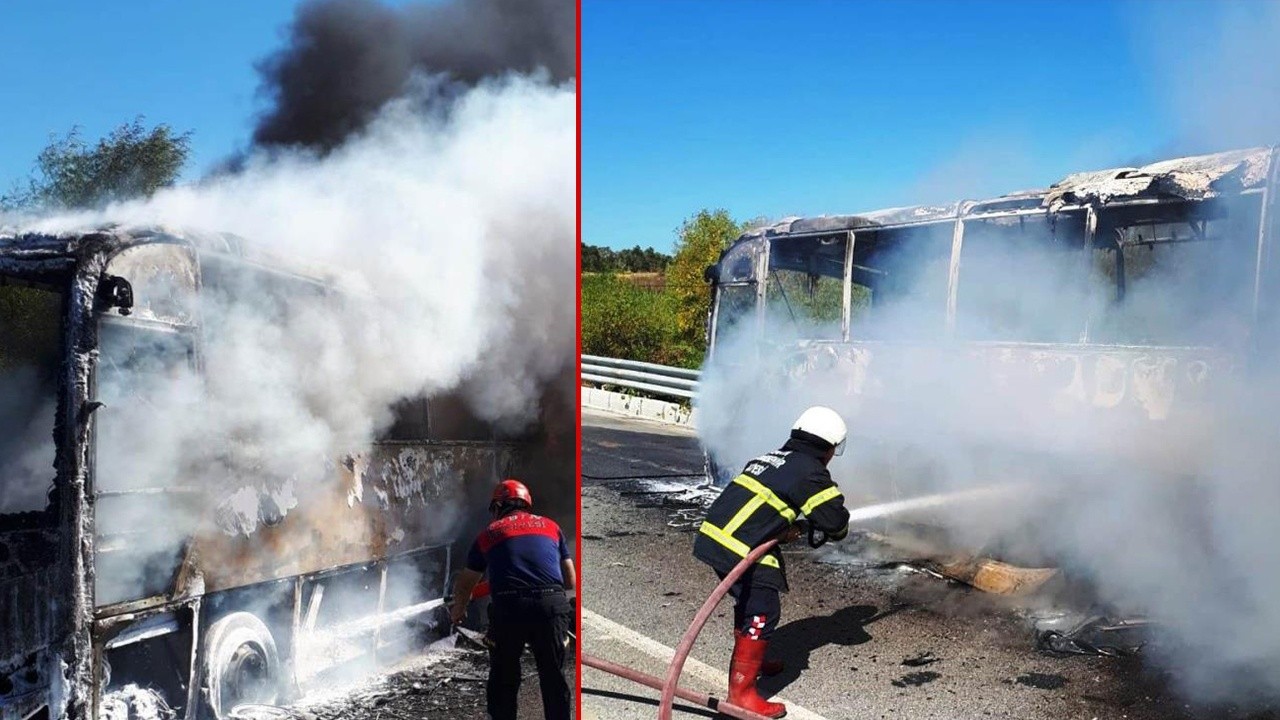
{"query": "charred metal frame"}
pixel 846 297
pixel 1089 197
pixel 961 213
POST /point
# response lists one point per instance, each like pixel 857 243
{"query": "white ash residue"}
pixel 132 702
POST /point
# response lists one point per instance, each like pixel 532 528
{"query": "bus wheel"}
pixel 241 665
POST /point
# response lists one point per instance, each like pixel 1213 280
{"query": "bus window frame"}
pixel 1185 210
pixel 760 260
pixel 948 291
pixel 1083 254
pixel 1265 343
pixel 714 335
pixel 766 268
pixel 190 334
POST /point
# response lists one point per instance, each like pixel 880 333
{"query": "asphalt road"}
pixel 859 641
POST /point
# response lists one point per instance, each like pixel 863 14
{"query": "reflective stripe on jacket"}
pixel 772 491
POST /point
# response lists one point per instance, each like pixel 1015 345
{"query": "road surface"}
pixel 859 641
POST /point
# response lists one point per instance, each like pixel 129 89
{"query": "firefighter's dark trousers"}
pixel 541 620
pixel 756 609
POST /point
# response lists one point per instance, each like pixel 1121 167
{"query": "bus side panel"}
pixel 394 499
pixel 1125 403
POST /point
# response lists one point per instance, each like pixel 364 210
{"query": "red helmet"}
pixel 510 491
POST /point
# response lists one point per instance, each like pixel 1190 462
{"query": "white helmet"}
pixel 824 423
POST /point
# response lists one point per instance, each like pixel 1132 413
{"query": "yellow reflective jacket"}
pixel 772 492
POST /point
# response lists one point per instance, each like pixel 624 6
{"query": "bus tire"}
pixel 240 664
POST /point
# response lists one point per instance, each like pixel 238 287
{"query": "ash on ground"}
pixel 684 504
pixel 445 683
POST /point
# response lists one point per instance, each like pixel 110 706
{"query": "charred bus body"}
pixel 98 605
pixel 1104 321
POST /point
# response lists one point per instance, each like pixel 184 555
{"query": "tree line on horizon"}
pixel 601 259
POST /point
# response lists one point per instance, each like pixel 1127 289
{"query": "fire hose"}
pixel 670 685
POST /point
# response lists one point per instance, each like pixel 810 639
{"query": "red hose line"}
pixel 646 679
pixel 656 683
pixel 699 620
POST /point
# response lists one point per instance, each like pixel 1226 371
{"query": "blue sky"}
pixel 99 64
pixel 810 107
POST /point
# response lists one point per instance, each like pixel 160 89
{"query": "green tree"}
pixel 596 259
pixel 621 320
pixel 638 260
pixel 702 238
pixel 132 161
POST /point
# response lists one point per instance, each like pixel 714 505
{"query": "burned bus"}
pixel 189 579
pixel 1097 327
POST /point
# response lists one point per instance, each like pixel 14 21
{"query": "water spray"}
pixel 930 502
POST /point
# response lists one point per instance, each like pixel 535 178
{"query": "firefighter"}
pixel 530 573
pixel 761 503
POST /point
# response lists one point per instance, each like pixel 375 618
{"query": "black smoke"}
pixel 344 59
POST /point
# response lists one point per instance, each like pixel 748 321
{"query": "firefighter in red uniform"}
pixel 763 503
pixel 530 572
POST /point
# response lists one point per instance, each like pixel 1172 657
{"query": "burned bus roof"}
pixel 1191 178
pixel 67 245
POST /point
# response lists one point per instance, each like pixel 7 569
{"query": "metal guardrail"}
pixel 649 377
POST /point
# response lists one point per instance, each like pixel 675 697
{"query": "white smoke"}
pixel 1212 70
pixel 452 226
pixel 1162 501
pixel 28 412
pixel 449 237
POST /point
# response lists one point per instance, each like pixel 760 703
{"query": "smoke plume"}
pixel 346 59
pixel 452 240
pixel 1159 500
pixel 421 160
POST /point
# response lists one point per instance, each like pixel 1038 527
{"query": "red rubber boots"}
pixel 747 663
